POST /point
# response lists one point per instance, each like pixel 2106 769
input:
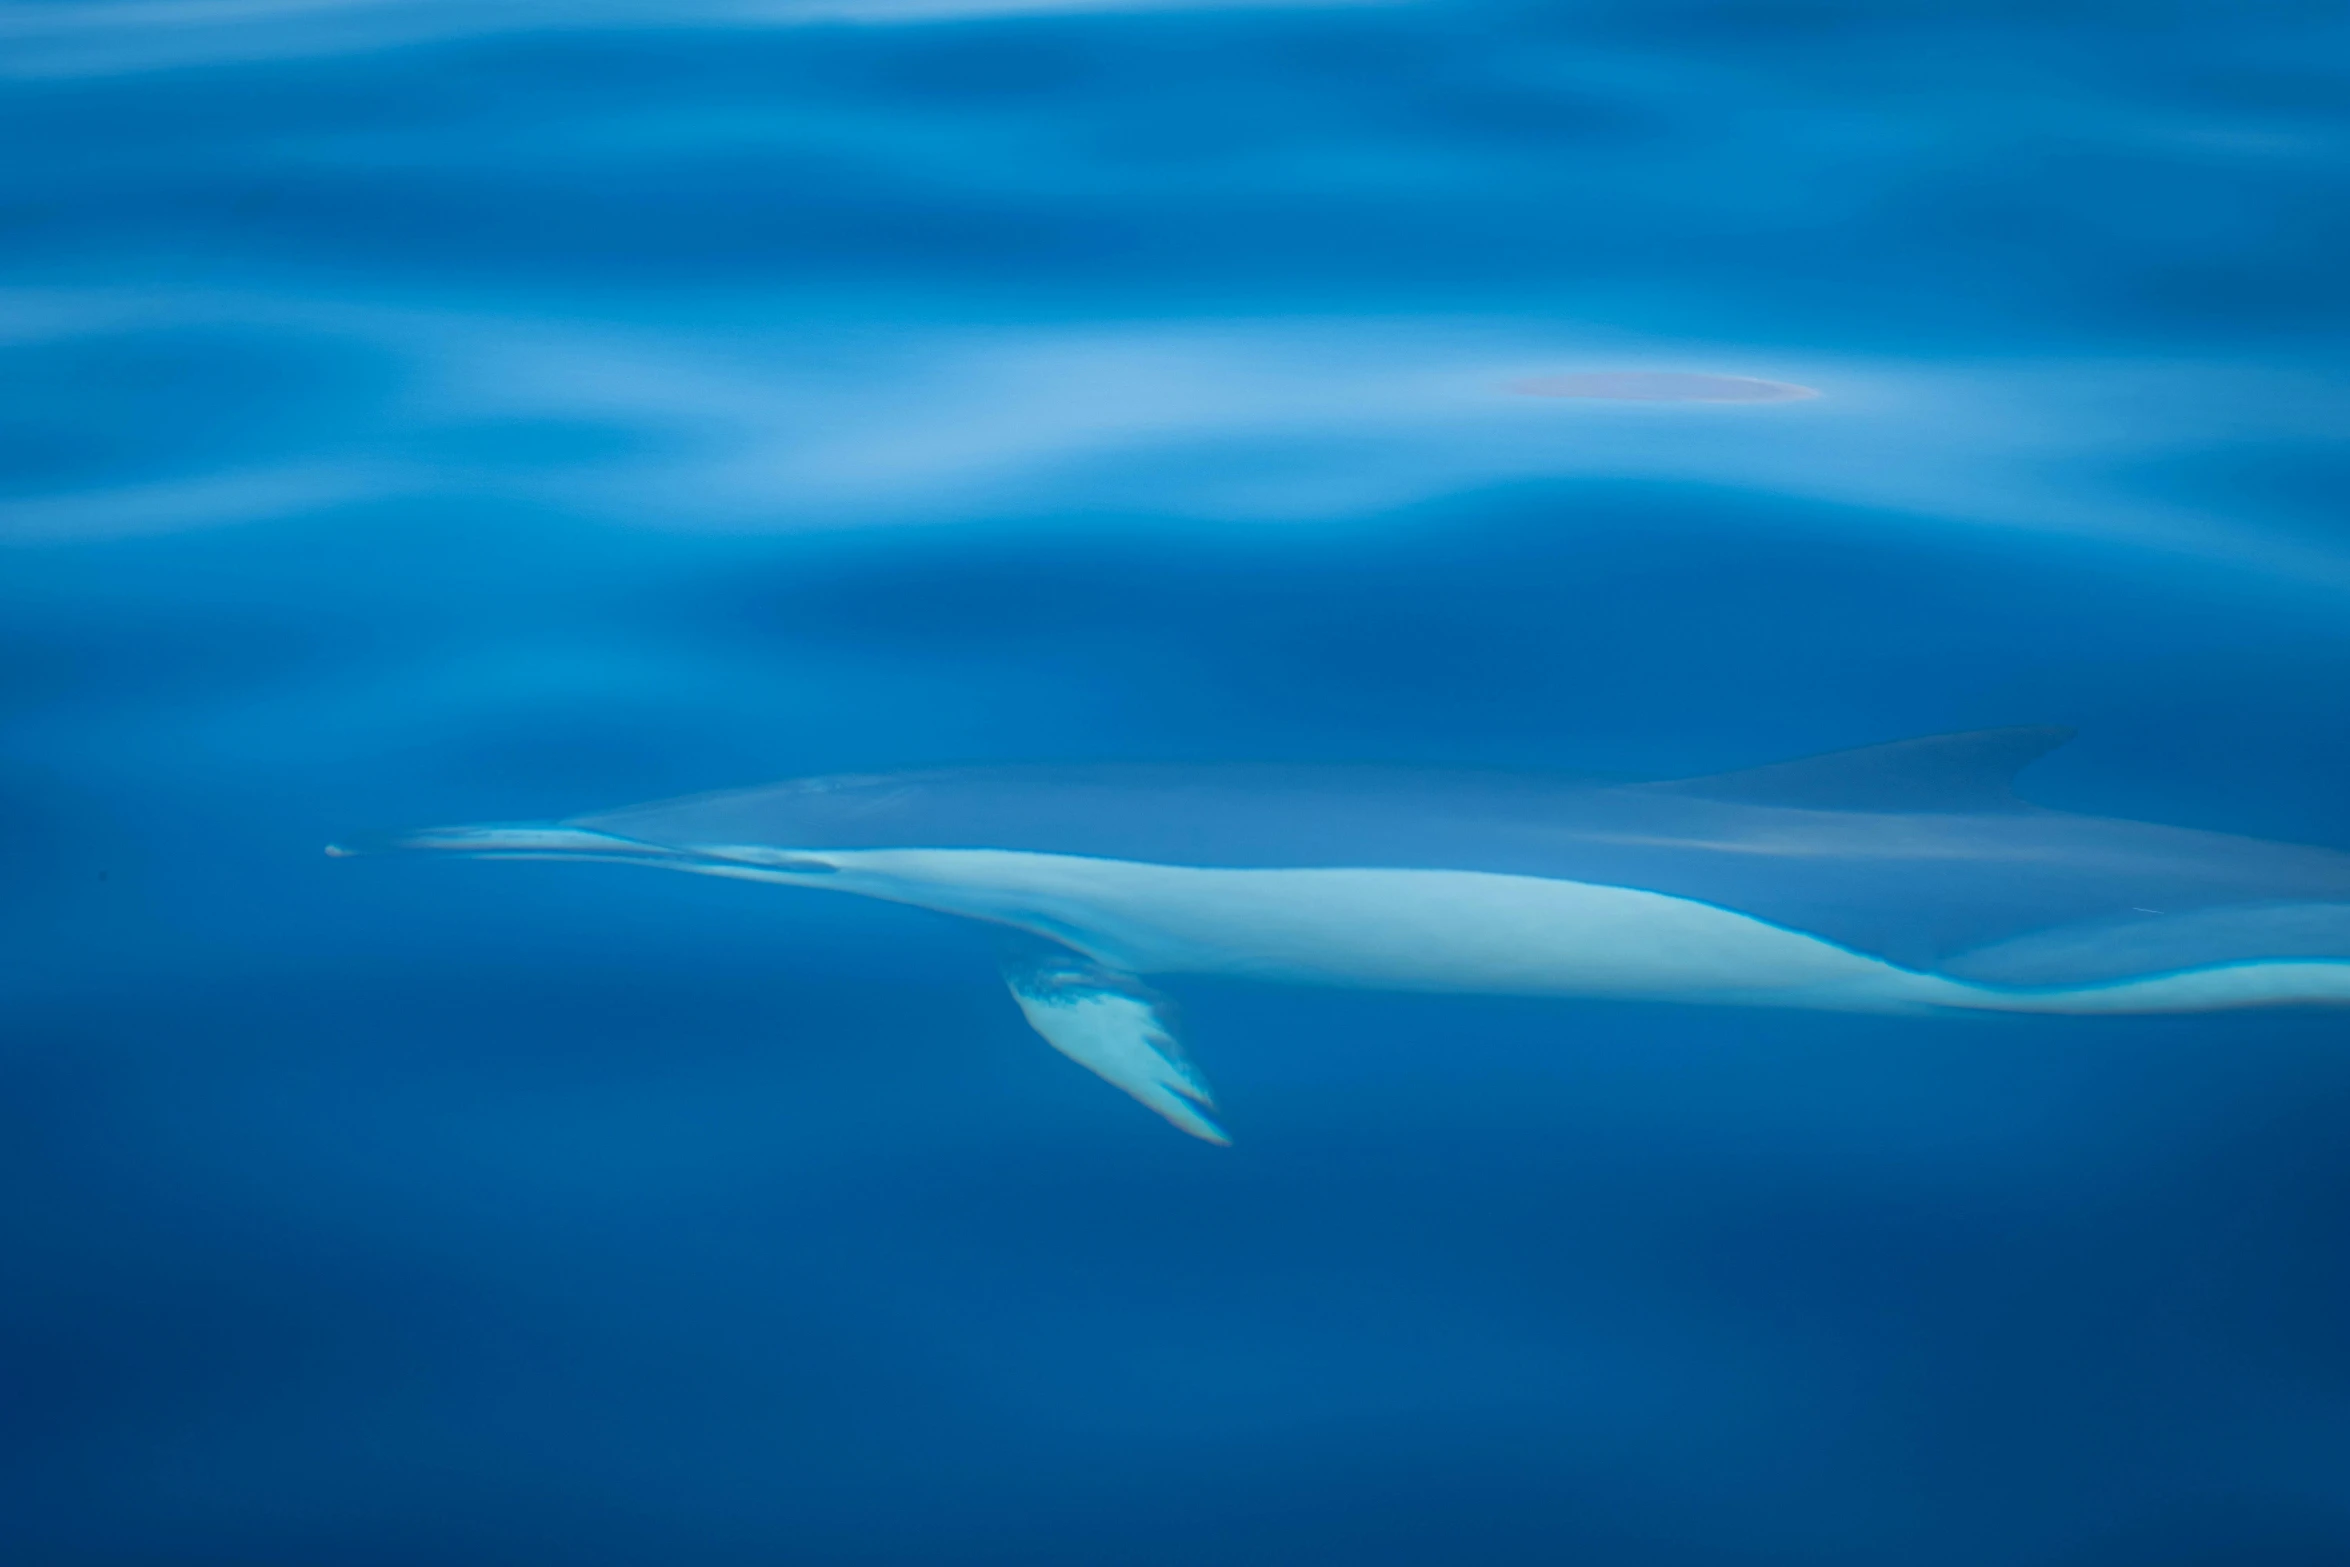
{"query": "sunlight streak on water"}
pixel 772 425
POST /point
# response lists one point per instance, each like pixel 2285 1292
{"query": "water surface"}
pixel 415 413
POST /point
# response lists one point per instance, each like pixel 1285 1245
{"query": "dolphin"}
pixel 1900 878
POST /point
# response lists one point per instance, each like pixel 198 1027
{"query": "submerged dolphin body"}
pixel 1897 878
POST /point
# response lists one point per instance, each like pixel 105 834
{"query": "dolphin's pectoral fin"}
pixel 1116 1027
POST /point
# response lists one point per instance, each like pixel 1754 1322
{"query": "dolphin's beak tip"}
pixel 367 845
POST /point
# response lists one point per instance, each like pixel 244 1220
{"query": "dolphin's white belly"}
pixel 1441 930
pixel 1481 933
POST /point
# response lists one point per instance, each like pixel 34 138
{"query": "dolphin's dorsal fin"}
pixel 1974 771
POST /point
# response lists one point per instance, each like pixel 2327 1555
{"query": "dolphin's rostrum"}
pixel 1896 878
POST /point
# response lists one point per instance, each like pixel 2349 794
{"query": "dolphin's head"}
pixel 778 833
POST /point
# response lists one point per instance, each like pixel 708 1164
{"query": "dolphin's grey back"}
pixel 1915 852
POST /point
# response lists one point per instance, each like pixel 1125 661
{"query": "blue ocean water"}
pixel 417 413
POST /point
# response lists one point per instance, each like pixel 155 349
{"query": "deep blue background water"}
pixel 416 414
